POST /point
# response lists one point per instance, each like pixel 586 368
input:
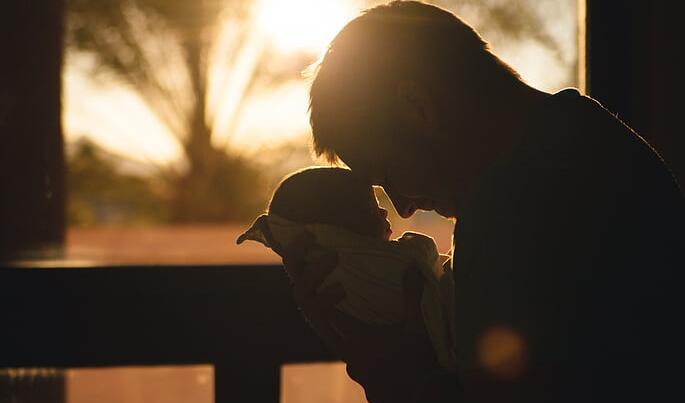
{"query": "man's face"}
pixel 409 171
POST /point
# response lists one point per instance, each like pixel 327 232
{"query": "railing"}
pixel 241 319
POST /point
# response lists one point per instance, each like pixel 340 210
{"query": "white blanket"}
pixel 371 272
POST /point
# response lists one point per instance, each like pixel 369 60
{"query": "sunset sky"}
pixel 115 117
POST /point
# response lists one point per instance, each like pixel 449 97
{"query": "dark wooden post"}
pixel 635 56
pixel 32 188
pixel 258 383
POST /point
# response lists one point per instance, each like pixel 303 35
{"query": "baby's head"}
pixel 334 196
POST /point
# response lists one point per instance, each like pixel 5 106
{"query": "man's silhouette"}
pixel 569 227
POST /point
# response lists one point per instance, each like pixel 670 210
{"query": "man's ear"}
pixel 417 105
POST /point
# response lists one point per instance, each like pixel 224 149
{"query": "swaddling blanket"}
pixel 371 271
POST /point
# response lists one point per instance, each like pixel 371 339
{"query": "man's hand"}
pixel 306 279
pixel 392 363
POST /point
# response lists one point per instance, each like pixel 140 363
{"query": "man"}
pixel 569 226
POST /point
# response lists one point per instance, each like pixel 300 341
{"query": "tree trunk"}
pixel 195 185
pixel 32 203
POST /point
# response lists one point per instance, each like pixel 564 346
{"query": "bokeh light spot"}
pixel 502 352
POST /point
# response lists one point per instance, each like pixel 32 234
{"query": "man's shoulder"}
pixel 568 118
pixel 580 168
pixel 573 138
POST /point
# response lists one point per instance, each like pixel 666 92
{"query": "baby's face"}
pixel 378 218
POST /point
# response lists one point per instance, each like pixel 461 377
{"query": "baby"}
pixel 341 211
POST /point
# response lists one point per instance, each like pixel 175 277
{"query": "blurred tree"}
pixel 184 58
pixel 101 193
pixel 514 21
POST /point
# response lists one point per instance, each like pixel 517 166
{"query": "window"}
pixel 180 119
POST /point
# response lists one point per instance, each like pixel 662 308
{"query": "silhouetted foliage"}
pixel 180 57
pixel 235 192
pixel 101 193
pixel 513 21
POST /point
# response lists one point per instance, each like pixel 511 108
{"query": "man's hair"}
pixel 323 195
pixel 401 40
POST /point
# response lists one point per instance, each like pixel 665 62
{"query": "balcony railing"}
pixel 240 319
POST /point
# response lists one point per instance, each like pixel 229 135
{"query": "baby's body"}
pixel 371 267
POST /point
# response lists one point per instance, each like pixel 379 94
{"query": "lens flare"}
pixel 502 352
pixel 302 25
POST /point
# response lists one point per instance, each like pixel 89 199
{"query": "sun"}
pixel 303 25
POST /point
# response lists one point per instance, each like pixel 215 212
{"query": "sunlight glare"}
pixel 303 25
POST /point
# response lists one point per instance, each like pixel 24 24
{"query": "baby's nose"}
pixel 404 206
pixel 384 212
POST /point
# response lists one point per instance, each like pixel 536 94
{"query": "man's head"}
pixel 329 195
pixel 399 96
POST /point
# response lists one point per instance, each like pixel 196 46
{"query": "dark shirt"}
pixel 565 266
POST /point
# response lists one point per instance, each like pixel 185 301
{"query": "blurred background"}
pixel 181 117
